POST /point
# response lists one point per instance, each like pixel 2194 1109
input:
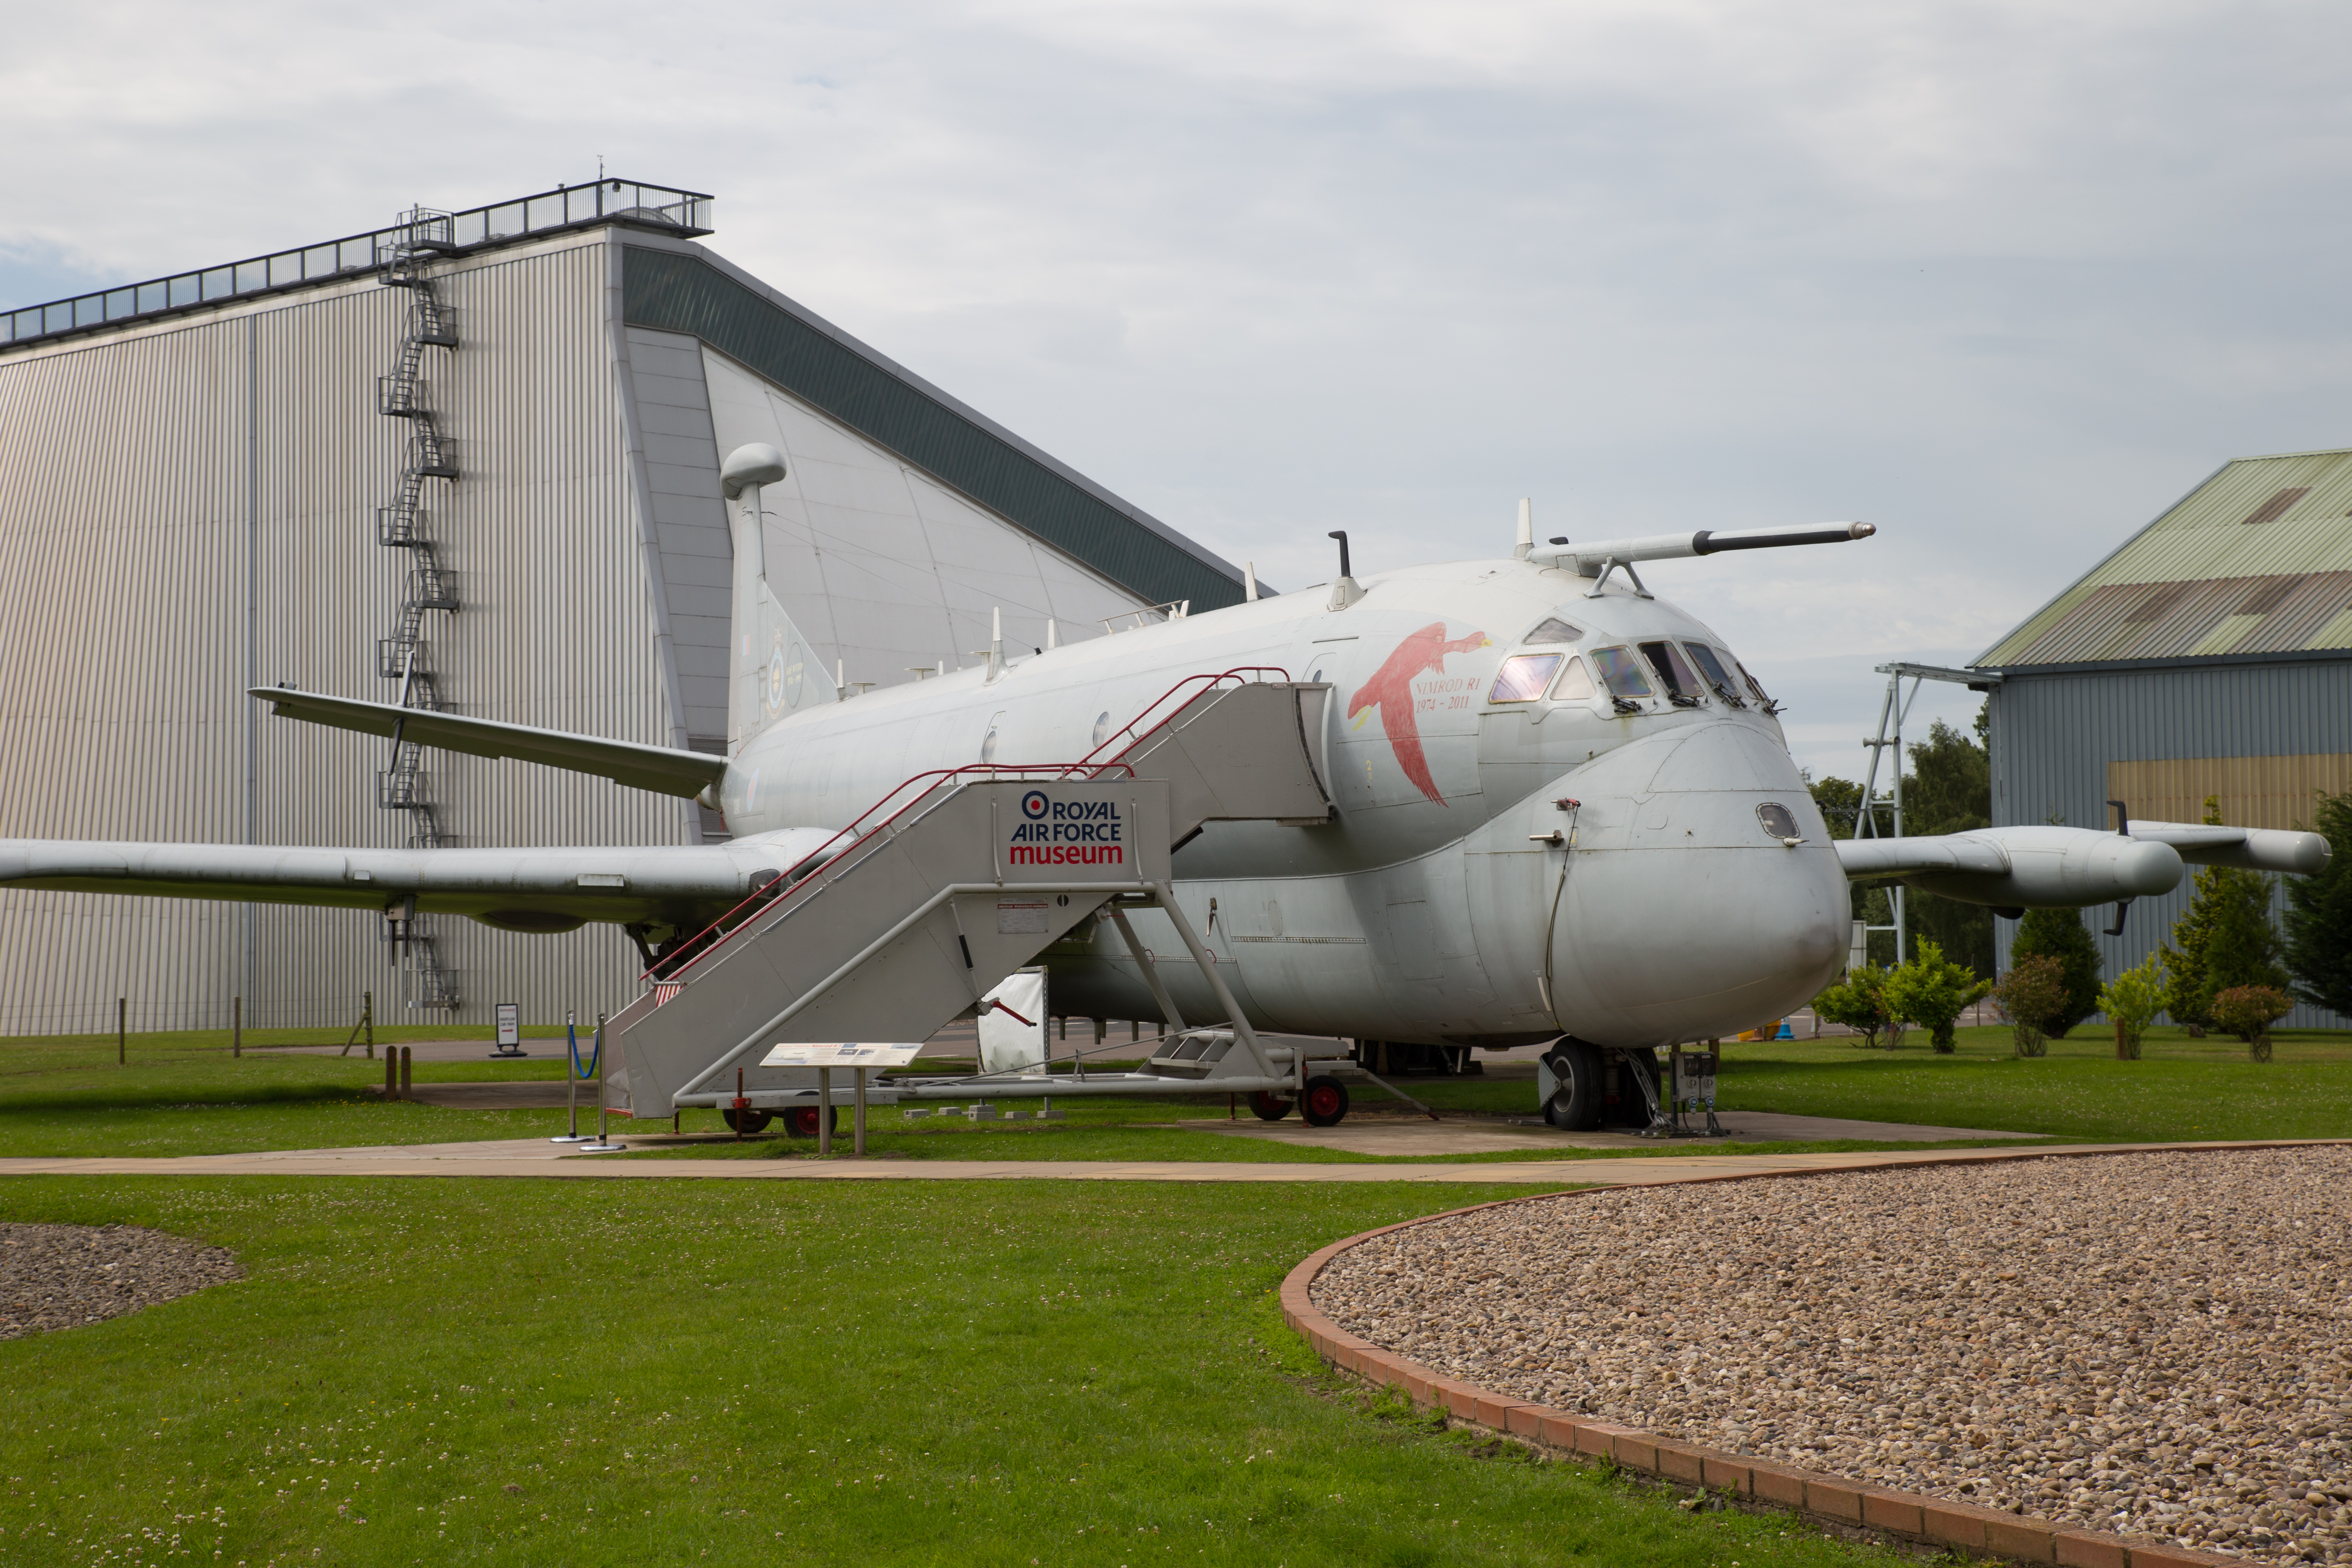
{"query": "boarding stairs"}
pixel 957 878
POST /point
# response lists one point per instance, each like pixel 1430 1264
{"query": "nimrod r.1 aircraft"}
pixel 1488 803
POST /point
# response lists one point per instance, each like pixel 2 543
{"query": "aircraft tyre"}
pixel 1270 1106
pixel 746 1122
pixel 800 1121
pixel 1575 1105
pixel 1325 1102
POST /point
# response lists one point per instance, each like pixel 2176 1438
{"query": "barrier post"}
pixel 237 1027
pixel 391 1078
pixel 121 1031
pixel 572 1076
pixel 825 1113
pixel 857 1119
pixel 604 1143
pixel 404 1084
pixel 367 1020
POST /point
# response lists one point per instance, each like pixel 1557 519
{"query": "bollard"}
pixel 391 1078
pixel 367 1020
pixel 403 1072
pixel 237 1027
pixel 825 1113
pixel 122 1030
pixel 857 1121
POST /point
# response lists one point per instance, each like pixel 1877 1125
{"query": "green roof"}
pixel 680 291
pixel 2257 559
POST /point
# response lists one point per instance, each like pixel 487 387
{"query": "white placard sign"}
pixel 509 1023
pixel 847 1053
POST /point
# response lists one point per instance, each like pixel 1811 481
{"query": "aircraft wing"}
pixel 2029 867
pixel 658 768
pixel 1989 849
pixel 520 889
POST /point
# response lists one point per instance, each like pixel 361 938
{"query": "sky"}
pixel 2004 280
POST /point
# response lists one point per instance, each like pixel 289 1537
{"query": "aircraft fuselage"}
pixel 1435 905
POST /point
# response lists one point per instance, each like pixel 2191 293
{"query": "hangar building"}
pixel 2210 654
pixel 470 461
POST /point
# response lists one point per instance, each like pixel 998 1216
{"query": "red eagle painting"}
pixel 1390 691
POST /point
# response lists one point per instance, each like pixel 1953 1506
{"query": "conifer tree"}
pixel 2319 914
pixel 2060 934
pixel 2225 939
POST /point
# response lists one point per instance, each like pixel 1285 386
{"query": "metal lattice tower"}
pixel 422 236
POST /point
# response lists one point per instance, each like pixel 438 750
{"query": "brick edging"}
pixel 1909 1516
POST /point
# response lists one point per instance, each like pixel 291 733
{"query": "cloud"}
pixel 2003 278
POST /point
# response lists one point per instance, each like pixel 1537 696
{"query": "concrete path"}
pixel 532 1158
pixel 1393 1136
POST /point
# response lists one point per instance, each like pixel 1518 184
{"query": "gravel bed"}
pixel 62 1276
pixel 2157 1344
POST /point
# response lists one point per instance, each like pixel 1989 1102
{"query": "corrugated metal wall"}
pixel 2055 734
pixel 161 484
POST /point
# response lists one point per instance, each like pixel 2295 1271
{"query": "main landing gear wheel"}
pixel 747 1122
pixel 800 1121
pixel 1325 1102
pixel 1575 1106
pixel 1270 1106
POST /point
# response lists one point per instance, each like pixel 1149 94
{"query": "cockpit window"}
pixel 1717 675
pixel 1682 687
pixel 1554 630
pixel 1761 695
pixel 1574 685
pixel 1777 822
pixel 1523 678
pixel 1620 673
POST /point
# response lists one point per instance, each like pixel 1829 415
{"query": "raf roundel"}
pixel 1032 804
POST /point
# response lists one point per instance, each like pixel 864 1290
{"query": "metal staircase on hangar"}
pixel 957 878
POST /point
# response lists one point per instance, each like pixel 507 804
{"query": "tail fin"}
pixel 773 671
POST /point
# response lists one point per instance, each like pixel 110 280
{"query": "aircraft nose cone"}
pixel 1692 942
pixel 1685 913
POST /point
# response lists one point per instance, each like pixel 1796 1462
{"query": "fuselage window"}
pixel 1574 685
pixel 1682 687
pixel 1711 663
pixel 1777 822
pixel 1554 630
pixel 1523 678
pixel 1620 673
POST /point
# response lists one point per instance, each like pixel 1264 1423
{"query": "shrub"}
pixel 2031 996
pixel 1859 1002
pixel 2248 1012
pixel 1932 992
pixel 2131 1002
pixel 2060 934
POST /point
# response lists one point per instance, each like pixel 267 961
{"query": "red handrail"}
pixel 1133 728
pixel 1085 764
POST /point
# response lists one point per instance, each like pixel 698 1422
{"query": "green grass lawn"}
pixel 184 1094
pixel 2181 1088
pixel 544 1373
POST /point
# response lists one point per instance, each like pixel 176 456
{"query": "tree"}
pixel 1859 1002
pixel 2225 940
pixel 1932 992
pixel 2030 997
pixel 2319 915
pixel 2131 1001
pixel 2060 934
pixel 2248 1012
pixel 1950 790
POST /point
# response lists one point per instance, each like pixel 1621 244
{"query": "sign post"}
pixel 510 1015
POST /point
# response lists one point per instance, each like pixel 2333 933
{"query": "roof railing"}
pixel 684 212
